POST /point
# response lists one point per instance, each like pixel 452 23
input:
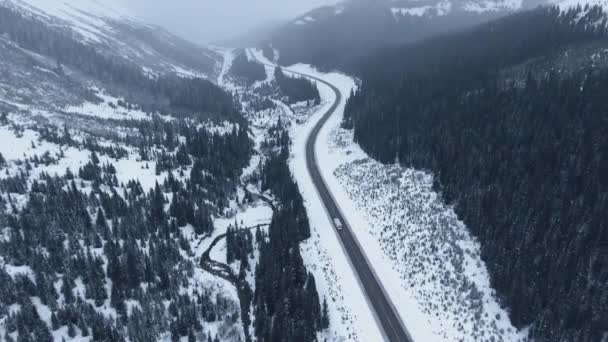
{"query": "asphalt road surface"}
pixel 390 323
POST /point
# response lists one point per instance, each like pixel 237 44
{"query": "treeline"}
pixel 524 162
pixel 286 302
pixel 248 71
pixel 296 89
pixel 187 97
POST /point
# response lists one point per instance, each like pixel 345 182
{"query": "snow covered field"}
pixel 428 262
pixel 108 108
pixel 418 245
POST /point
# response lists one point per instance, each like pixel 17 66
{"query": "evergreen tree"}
pixel 71 330
pixel 325 315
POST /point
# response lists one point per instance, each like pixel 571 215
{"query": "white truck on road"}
pixel 338 223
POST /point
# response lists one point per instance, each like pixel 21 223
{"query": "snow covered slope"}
pixel 411 8
pixel 110 26
pixel 97 106
pixel 91 58
pixel 87 17
pixel 429 261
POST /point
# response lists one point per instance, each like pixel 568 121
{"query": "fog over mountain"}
pixel 208 20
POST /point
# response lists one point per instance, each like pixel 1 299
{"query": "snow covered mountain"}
pixel 110 27
pixel 335 36
pixel 58 55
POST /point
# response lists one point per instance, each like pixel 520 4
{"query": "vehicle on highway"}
pixel 337 223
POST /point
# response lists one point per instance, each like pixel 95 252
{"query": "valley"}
pixel 389 170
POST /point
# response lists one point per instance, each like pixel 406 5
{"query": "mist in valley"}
pixel 205 21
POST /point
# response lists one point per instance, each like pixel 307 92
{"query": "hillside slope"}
pixel 109 27
pixel 130 188
pixel 510 120
pixel 116 165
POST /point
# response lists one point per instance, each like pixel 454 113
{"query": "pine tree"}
pixel 100 221
pixel 71 330
pixel 42 333
pixel 54 322
pixel 84 330
pixel 94 158
pixel 66 289
pixel 325 315
pixel 157 209
pixel 117 299
pixel 67 138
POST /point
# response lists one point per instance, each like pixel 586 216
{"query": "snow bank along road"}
pixel 392 326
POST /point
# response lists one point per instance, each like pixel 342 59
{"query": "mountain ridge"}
pixel 335 36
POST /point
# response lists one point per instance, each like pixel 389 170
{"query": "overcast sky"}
pixel 211 20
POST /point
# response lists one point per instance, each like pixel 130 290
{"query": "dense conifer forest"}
pixel 286 301
pixel 524 158
pixel 296 89
pixel 248 71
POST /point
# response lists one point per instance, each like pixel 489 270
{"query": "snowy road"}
pixel 387 316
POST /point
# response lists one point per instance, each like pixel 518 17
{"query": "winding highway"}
pixel 385 313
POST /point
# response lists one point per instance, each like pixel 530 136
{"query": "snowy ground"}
pixel 417 244
pixel 344 325
pixel 351 318
pixel 323 252
pixel 25 144
pixel 108 108
pixel 227 58
pixel 428 262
